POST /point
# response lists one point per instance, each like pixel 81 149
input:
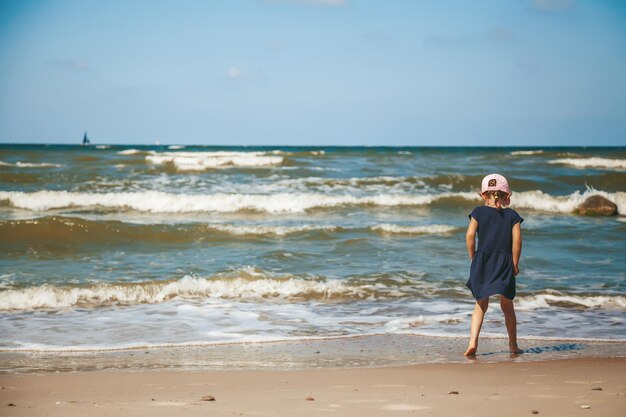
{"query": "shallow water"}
pixel 115 247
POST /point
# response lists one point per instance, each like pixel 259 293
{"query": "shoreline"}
pixel 572 386
pixel 367 351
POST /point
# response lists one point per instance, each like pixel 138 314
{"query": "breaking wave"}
pixel 594 162
pixel 253 230
pixel 20 164
pixel 160 202
pixel 252 284
pixel 130 152
pixel 414 230
pixel 538 200
pixel 200 161
pixel 522 153
pixel 248 285
pixel 537 301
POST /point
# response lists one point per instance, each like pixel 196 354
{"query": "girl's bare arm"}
pixel 470 237
pixel 517 246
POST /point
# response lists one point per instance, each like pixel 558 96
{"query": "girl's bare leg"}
pixel 480 308
pixel 511 323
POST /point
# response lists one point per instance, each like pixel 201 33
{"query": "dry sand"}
pixel 573 387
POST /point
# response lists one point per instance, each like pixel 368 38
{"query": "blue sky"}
pixel 314 72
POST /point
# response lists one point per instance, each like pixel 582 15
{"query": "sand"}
pixel 569 387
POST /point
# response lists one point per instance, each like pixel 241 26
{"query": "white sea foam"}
pixel 52 297
pixel 516 153
pixel 269 230
pixel 200 161
pixel 20 164
pixel 175 147
pixel 538 301
pixel 130 152
pixel 402 328
pixel 593 162
pixel 102 147
pixel 403 324
pixel 160 202
pixel 538 200
pixel 414 230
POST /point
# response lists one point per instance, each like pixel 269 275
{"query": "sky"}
pixel 314 72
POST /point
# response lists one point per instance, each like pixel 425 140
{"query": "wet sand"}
pixel 571 387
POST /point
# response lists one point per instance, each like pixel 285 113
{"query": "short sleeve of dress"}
pixel 516 218
pixel 475 214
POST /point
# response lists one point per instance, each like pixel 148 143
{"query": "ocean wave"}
pixel 201 161
pixel 52 231
pixel 56 233
pixel 537 301
pixel 254 230
pixel 247 284
pixel 20 164
pixel 356 182
pixel 594 162
pixel 522 153
pixel 130 152
pixel 414 230
pixel 160 202
pixel 402 327
pixel 538 200
pixel 173 147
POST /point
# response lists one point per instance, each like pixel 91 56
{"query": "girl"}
pixel 496 261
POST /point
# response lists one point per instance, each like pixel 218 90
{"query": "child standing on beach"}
pixel 495 262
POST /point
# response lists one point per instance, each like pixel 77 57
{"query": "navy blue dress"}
pixel 492 267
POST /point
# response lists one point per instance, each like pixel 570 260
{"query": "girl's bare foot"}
pixel 471 350
pixel 515 349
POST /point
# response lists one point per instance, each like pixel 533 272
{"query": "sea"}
pixel 209 257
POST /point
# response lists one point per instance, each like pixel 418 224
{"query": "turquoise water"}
pixel 109 247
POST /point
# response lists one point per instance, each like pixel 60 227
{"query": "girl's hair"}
pixel 498 197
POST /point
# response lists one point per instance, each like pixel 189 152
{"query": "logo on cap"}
pixel 492 182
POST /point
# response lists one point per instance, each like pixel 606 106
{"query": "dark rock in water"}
pixel 597 206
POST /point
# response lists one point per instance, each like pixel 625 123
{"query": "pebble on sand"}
pixel 207 398
pixel 309 399
pixel 596 389
pixel 534 412
pixel 586 407
pixel 453 392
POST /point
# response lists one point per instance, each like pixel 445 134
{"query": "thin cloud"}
pixel 554 5
pixel 70 64
pixel 526 65
pixel 328 3
pixel 325 2
pixel 276 46
pixel 235 73
pixel 439 39
pixel 500 34
pixel 376 36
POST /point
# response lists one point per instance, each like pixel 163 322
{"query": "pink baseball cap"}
pixel 496 182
